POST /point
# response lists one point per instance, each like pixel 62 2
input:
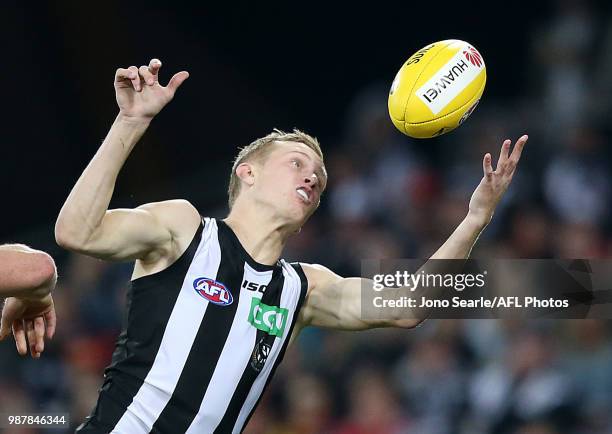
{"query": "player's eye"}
pixel 295 163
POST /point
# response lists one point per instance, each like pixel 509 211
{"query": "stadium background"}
pixel 326 70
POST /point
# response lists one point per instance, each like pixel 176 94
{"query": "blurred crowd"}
pixel 392 197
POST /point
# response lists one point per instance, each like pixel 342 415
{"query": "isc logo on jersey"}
pixel 253 286
pixel 437 89
pixel 213 291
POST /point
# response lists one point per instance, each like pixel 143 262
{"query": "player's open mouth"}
pixel 304 195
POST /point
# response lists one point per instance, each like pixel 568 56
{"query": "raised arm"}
pixel 85 224
pixel 335 302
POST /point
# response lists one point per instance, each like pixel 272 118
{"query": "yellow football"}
pixel 437 89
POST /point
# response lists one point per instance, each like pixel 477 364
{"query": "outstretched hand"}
pixel 494 183
pixel 33 318
pixel 139 94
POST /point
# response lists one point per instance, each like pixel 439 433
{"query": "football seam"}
pixel 454 111
pixel 419 76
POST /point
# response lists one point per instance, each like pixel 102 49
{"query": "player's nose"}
pixel 312 179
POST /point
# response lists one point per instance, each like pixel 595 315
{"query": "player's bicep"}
pixel 333 301
pixel 339 306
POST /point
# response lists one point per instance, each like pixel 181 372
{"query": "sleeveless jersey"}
pixel 201 341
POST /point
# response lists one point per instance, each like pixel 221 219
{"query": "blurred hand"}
pixel 495 183
pixel 139 94
pixel 31 318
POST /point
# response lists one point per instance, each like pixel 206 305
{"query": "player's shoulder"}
pixel 171 206
pixel 318 275
pixel 181 220
pixel 179 216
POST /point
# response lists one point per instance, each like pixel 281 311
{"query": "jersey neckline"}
pixel 249 259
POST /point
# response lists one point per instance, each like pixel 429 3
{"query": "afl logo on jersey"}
pixel 213 291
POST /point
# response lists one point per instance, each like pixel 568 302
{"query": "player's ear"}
pixel 246 173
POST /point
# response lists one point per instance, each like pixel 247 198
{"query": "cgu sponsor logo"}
pixel 213 291
pixel 445 81
pixel 270 319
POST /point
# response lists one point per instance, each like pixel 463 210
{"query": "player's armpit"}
pixel 335 302
pixel 146 233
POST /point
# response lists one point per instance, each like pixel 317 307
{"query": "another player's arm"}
pixel 25 272
pixel 27 277
pixel 85 224
pixel 335 302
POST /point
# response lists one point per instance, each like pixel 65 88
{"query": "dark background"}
pixel 253 67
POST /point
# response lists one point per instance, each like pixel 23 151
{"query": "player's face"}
pixel 292 180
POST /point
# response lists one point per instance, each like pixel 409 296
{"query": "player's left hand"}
pixel 33 318
pixel 495 182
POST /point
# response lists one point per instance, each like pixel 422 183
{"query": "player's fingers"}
pixel 135 78
pixel 39 329
pixel 176 80
pixel 518 148
pixel 20 338
pixel 154 66
pixel 3 330
pixel 31 335
pixel 123 74
pixel 486 166
pixel 5 324
pixel 503 153
pixel 510 167
pixel 146 75
pixel 51 321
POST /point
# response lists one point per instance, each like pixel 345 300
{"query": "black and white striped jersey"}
pixel 201 342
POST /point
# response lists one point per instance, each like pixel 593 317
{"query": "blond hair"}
pixel 260 149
